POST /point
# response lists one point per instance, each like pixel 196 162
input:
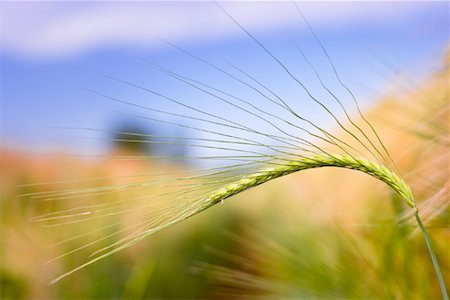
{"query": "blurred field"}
pixel 317 234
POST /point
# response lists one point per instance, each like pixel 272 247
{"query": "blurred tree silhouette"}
pixel 132 137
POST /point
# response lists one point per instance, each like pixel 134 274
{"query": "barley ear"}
pixel 341 161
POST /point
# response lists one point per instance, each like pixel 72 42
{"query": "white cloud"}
pixel 52 29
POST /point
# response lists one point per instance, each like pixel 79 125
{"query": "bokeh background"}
pixel 320 234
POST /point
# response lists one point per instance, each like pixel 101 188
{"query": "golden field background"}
pixel 325 234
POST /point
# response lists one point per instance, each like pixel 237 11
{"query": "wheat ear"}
pixel 342 161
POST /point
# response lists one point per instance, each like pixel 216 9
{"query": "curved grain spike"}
pixel 342 161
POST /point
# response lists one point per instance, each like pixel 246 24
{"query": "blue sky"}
pixel 51 51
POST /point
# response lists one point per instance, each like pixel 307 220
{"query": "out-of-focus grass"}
pixel 294 238
pixel 160 268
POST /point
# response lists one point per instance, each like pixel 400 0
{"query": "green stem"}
pixel 433 257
